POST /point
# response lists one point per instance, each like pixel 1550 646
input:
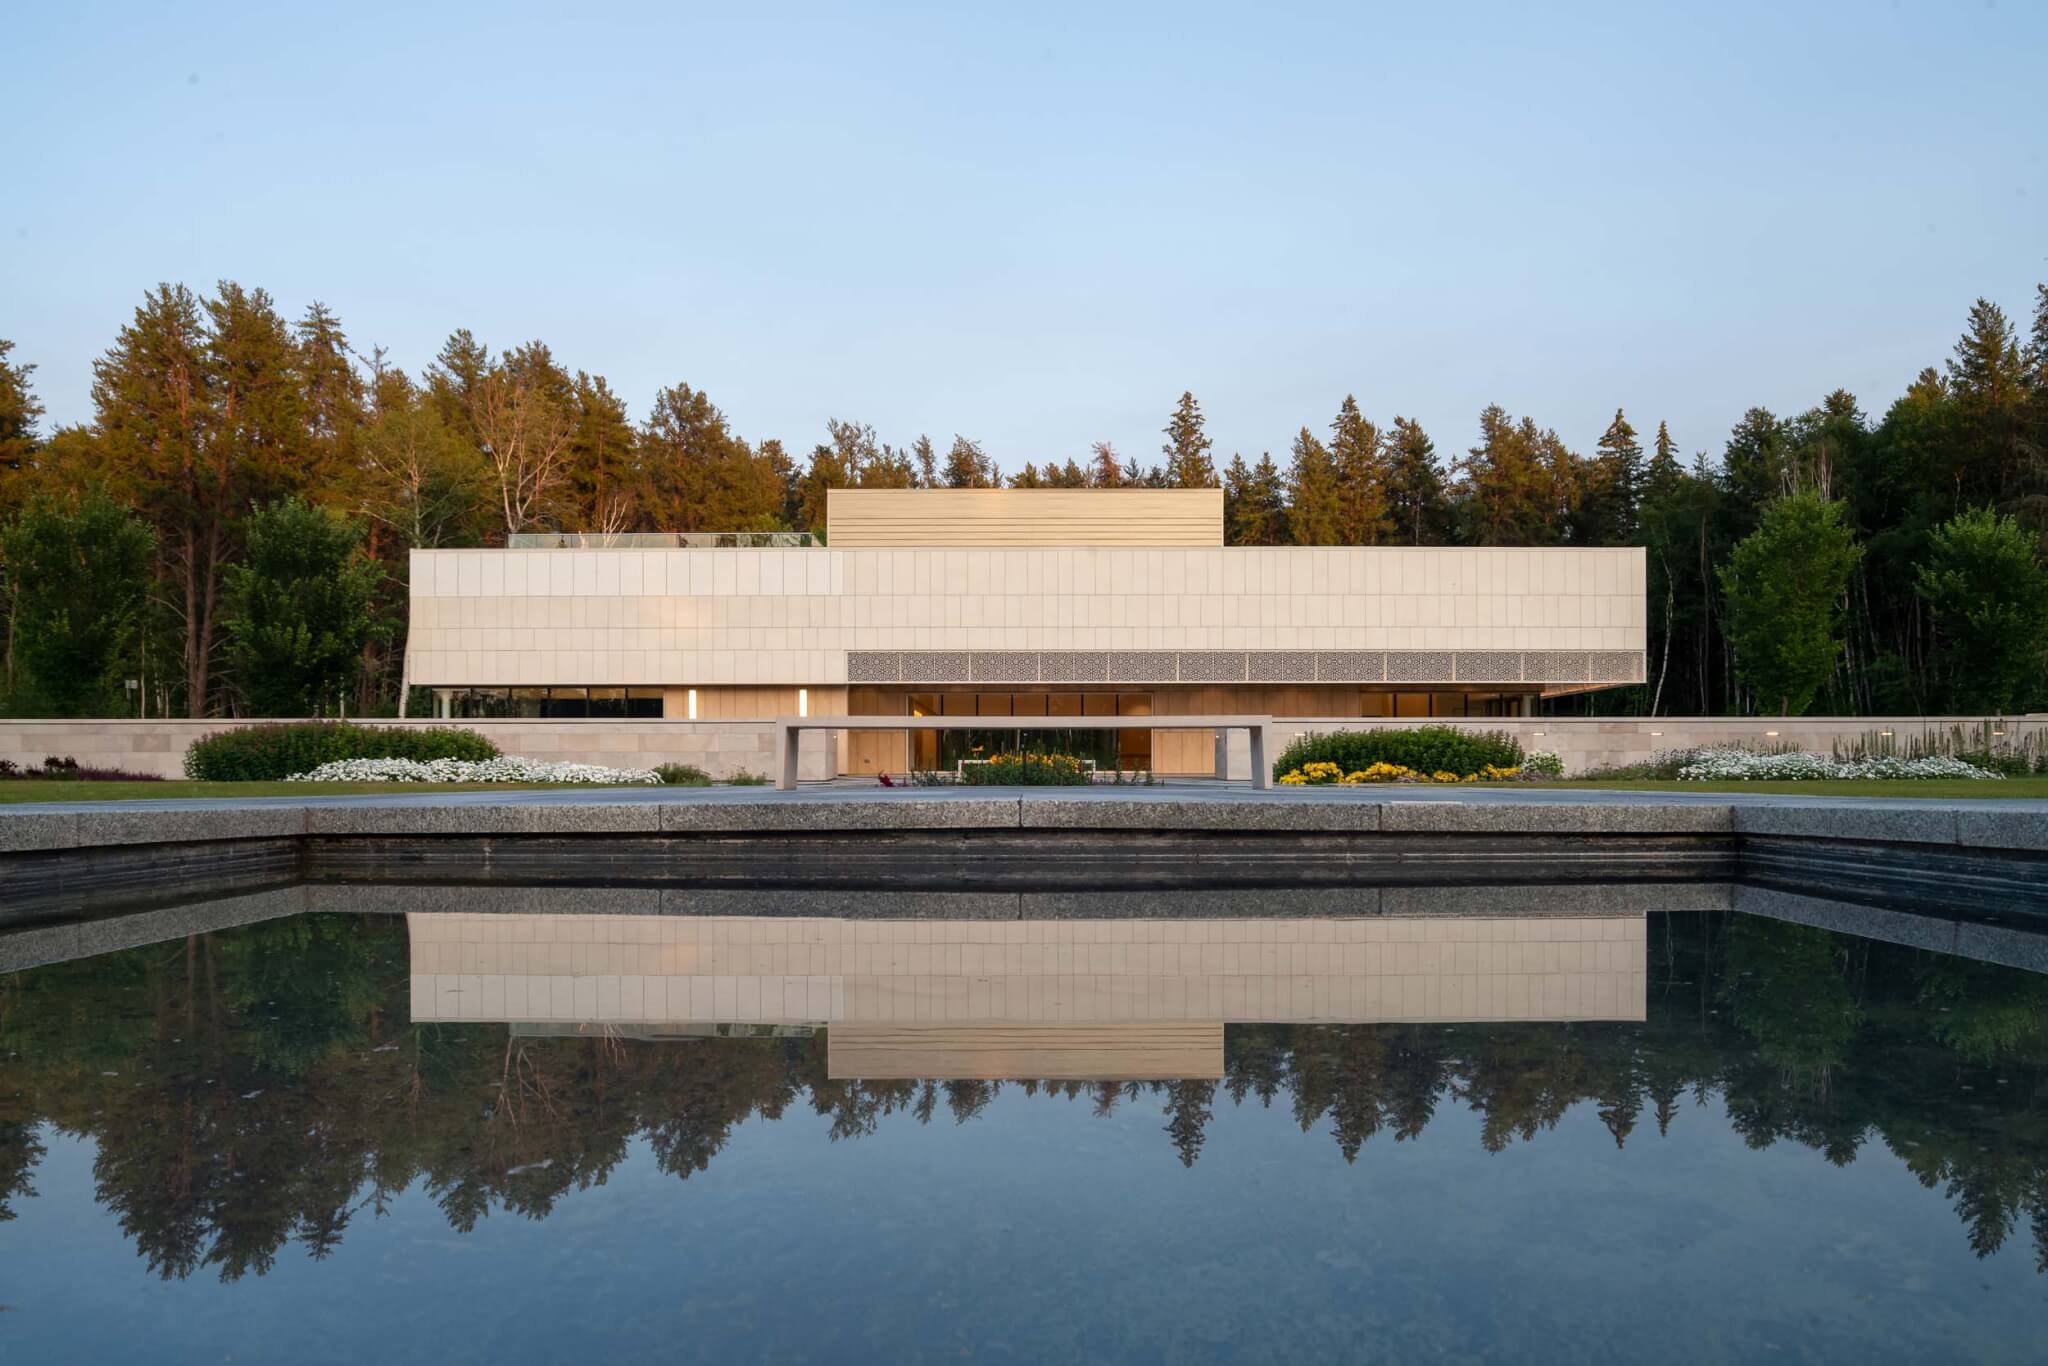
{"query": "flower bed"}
pixel 1027 770
pixel 1321 773
pixel 506 770
pixel 1741 765
pixel 1424 751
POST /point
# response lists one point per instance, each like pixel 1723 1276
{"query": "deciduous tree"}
pixel 1784 586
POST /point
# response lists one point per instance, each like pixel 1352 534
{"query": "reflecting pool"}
pixel 467 1133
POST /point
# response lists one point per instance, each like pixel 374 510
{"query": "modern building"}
pixel 1024 602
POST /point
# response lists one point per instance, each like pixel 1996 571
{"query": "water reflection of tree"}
pixel 265 1086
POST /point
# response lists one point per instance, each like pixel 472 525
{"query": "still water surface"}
pixel 508 1138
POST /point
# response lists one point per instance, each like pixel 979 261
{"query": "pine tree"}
pixel 603 482
pixel 1187 448
pixel 1105 471
pixel 1416 502
pixel 1026 478
pixel 1614 486
pixel 1508 494
pixel 1254 506
pixel 927 461
pixel 19 413
pixel 1664 466
pixel 967 465
pixel 333 395
pixel 1314 510
pixel 1357 452
pixel 1753 467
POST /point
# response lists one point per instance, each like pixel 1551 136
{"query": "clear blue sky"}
pixel 1038 226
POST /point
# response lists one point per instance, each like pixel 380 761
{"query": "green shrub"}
pixel 682 775
pixel 1426 749
pixel 256 754
pixel 744 777
pixel 1027 770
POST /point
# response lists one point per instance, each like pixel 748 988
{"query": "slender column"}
pixel 1262 774
pixel 785 752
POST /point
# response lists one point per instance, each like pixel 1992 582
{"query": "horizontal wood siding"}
pixel 1024 517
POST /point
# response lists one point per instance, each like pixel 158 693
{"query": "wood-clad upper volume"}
pixel 1023 517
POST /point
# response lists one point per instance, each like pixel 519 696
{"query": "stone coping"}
pixel 2013 824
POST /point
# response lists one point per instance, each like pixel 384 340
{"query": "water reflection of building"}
pixel 1058 998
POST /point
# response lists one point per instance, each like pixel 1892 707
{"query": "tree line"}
pixel 261 1087
pixel 1825 559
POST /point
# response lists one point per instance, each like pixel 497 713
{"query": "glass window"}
pixel 1447 704
pixel 566 703
pixel 643 703
pixel 528 702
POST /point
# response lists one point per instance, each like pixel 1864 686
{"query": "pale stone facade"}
pixel 818 616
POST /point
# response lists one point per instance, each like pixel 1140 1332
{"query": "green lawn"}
pixel 56 790
pixel 1845 787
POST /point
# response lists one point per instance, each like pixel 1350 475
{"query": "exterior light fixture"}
pixel 1773 734
pixel 803 701
pixel 1884 733
pixel 693 704
pixel 1536 734
pixel 1656 732
pixel 1998 732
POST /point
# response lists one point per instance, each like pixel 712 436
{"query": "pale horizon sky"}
pixel 1038 228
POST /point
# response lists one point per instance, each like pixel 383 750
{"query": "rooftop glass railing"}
pixel 659 540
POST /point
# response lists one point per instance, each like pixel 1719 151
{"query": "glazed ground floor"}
pixel 1138 747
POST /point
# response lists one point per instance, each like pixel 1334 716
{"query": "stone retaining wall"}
pixel 722 748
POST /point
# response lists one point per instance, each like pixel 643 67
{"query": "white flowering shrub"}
pixel 505 770
pixel 1542 763
pixel 1729 765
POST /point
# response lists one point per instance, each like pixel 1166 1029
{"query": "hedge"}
pixel 254 754
pixel 1426 749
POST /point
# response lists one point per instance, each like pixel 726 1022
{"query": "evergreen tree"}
pixel 703 478
pixel 1752 467
pixel 1664 469
pixel 927 462
pixel 299 609
pixel 1988 594
pixel 1026 478
pixel 1314 506
pixel 19 414
pixel 1784 586
pixel 1987 381
pixel 1255 503
pixel 1356 451
pixel 1187 448
pixel 333 397
pixel 1613 487
pixel 1105 471
pixel 1508 494
pixel 1416 502
pixel 198 413
pixel 967 465
pixel 603 485
pixel 80 579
